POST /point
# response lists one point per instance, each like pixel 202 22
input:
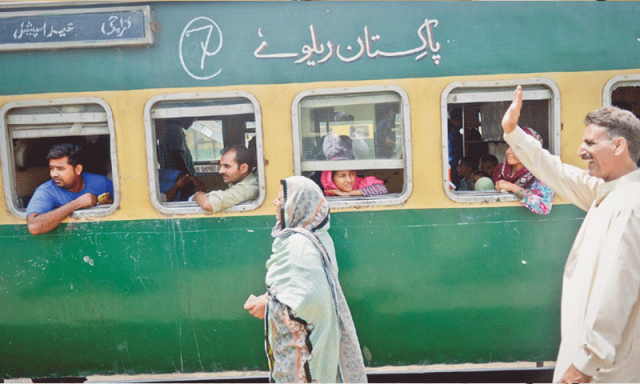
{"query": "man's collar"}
pixel 605 188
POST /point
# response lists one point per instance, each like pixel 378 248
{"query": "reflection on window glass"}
pixel 371 121
pixel 204 139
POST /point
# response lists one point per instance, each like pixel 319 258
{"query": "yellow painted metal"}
pixel 580 92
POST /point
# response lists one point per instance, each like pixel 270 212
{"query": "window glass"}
pixel 472 132
pixel 363 130
pixel 33 127
pixel 188 133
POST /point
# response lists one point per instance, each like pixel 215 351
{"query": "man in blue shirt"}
pixel 67 191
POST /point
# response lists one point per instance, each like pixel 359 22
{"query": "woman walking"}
pixel 310 334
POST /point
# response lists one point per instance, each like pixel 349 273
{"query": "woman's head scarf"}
pixel 522 178
pixel 304 206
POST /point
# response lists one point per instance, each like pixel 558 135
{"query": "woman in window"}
pixel 345 182
pixel 309 330
pixel 512 176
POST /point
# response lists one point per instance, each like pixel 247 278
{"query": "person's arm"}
pixel 173 191
pixel 337 192
pixel 613 295
pixel 257 305
pixel 538 198
pixel 571 182
pixel 38 223
pixel 374 190
pixel 184 180
pixel 203 201
pixel 216 201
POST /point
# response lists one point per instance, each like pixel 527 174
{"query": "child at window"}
pixel 346 183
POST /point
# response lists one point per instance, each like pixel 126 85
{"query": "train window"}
pixel 31 128
pixel 623 92
pixel 471 130
pixel 366 130
pixel 186 134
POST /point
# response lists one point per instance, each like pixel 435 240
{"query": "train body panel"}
pixel 166 295
pixel 431 276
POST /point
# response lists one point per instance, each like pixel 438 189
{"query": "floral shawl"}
pixel 305 212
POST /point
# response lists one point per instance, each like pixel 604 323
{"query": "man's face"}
pixel 64 174
pixel 598 150
pixel 230 170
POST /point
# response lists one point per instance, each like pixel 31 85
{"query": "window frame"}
pixel 8 159
pixel 405 162
pixel 485 87
pixel 616 82
pixel 172 208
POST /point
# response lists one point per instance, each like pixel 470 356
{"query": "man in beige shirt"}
pixel 600 310
pixel 235 170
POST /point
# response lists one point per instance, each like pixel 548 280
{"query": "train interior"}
pixel 190 136
pixel 475 130
pixel 359 121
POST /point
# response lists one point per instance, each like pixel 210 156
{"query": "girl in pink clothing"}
pixel 346 183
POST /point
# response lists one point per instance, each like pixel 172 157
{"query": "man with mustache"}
pixel 68 190
pixel 235 169
pixel 600 316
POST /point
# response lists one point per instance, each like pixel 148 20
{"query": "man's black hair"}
pixel 72 151
pixel 243 155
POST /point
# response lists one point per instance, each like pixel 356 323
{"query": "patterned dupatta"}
pixel 305 211
pixel 522 178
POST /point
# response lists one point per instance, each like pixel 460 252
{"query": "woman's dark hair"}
pixel 72 151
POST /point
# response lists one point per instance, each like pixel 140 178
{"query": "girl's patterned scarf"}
pixel 522 178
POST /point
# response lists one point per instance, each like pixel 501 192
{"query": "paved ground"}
pixel 409 368
pixel 233 374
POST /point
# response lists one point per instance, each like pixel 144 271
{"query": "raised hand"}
pixel 510 119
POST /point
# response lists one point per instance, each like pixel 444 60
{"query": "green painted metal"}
pixel 474 38
pixel 424 286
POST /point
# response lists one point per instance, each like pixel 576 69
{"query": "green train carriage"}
pixel 431 275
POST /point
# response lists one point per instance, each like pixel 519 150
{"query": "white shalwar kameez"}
pixel 600 312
